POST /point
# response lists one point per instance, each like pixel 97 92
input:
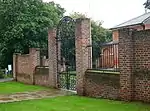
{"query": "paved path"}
pixel 33 95
pixel 5 80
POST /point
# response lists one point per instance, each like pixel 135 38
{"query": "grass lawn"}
pixel 73 103
pixel 14 87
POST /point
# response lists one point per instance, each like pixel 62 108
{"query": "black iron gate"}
pixel 66 63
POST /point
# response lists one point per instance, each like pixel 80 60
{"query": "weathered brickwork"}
pixel 52 51
pixel 42 76
pixel 126 64
pixel 142 50
pixel 134 59
pixel 133 83
pixel 134 63
pixel 27 70
pixel 23 73
pixel 42 80
pixel 142 86
pixel 24 66
pixel 83 51
pixel 142 65
pixel 34 61
pixel 102 85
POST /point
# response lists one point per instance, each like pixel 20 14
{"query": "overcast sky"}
pixel 111 12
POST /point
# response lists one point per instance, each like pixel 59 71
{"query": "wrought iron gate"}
pixel 66 63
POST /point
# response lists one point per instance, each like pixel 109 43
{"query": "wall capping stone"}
pixel 102 72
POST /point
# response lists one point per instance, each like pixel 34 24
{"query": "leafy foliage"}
pixel 98 33
pixel 1 74
pixel 66 35
pixel 24 24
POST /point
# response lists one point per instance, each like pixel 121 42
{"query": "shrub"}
pixel 1 74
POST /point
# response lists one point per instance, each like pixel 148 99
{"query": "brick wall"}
pixel 52 54
pixel 126 64
pixel 134 59
pixel 23 73
pixel 83 52
pixel 24 65
pixel 142 86
pixel 102 85
pixel 133 83
pixel 142 65
pixel 142 49
pixel 41 76
pixel 115 35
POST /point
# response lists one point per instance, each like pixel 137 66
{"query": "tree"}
pixel 24 24
pixel 147 4
pixel 98 33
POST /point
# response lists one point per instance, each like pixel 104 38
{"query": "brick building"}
pixel 132 81
pixel 109 53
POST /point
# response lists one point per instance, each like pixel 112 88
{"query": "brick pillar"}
pixel 126 64
pixel 34 61
pixel 15 64
pixel 52 58
pixel 83 51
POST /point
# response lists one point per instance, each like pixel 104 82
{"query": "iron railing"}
pixel 108 57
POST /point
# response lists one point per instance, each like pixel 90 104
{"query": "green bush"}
pixel 1 74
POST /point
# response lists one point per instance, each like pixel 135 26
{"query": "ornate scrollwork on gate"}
pixel 66 64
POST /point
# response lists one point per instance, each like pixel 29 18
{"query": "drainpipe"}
pixel 143 25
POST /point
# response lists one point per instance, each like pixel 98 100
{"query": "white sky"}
pixel 111 12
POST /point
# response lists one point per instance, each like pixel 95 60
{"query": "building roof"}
pixel 110 43
pixel 143 19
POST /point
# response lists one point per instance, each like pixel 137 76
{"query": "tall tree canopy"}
pixel 24 24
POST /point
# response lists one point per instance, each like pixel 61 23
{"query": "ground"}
pixel 73 103
pixel 14 87
pixel 63 103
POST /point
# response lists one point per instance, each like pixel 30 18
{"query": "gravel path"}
pixel 5 80
pixel 33 95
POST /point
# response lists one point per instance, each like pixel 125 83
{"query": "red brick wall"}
pixel 133 83
pixel 102 85
pixel 136 27
pixel 24 66
pixel 142 65
pixel 126 64
pixel 142 86
pixel 83 52
pixel 115 35
pixel 134 59
pixel 147 26
pixel 142 49
pixel 52 54
pixel 23 69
